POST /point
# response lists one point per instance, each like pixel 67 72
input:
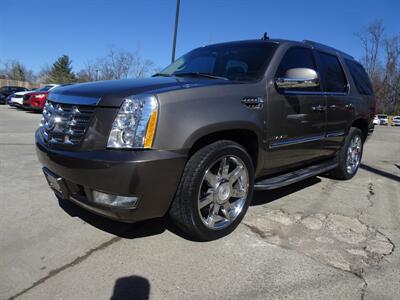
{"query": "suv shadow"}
pixel 158 226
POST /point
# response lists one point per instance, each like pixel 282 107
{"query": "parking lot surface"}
pixel 318 239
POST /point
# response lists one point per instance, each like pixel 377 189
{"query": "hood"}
pixel 22 93
pixel 113 92
pixel 36 93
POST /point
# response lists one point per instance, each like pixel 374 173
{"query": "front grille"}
pixel 65 124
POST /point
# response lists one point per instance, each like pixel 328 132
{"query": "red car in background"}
pixel 36 100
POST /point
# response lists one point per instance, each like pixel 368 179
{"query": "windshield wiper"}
pixel 161 74
pixel 199 74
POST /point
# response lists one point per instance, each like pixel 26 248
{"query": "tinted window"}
pixel 360 77
pixel 235 61
pixel 201 64
pixel 297 57
pixel 332 73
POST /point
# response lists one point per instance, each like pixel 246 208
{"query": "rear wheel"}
pixel 215 191
pixel 349 156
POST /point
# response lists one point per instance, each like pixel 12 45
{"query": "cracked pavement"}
pixel 318 239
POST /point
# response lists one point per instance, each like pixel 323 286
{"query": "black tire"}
pixel 341 171
pixel 184 210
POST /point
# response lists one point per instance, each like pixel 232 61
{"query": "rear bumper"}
pixel 150 175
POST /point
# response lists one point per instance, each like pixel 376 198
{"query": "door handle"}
pixel 332 107
pixel 349 106
pixel 318 108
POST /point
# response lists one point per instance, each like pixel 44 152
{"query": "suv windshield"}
pixel 382 116
pixel 245 61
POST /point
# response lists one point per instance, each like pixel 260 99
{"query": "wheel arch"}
pixel 245 137
pixel 361 124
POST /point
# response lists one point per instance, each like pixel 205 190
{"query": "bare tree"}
pixel 15 70
pixel 117 64
pixel 391 80
pixel 371 40
pixel 141 67
pixel 381 60
pixel 44 74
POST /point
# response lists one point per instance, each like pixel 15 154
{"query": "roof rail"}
pixel 322 46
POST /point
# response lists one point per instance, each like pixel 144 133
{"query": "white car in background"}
pixel 396 121
pixel 383 119
pixel 18 98
pixel 376 121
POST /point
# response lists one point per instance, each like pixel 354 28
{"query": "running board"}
pixel 295 176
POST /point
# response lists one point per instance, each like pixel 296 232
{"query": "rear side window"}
pixel 360 77
pixel 297 57
pixel 332 73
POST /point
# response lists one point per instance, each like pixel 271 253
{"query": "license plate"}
pixel 55 183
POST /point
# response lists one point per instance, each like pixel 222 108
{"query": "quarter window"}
pixel 360 77
pixel 332 73
pixel 297 57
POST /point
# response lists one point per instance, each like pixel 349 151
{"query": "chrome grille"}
pixel 65 124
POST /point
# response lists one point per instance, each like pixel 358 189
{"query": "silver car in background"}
pixel 383 119
pixel 396 121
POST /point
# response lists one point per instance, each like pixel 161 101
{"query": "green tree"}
pixel 61 71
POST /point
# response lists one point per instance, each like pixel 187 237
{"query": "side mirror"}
pixel 298 78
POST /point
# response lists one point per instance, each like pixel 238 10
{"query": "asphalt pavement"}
pixel 317 239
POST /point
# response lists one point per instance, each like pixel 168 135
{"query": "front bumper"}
pixel 151 175
pixel 17 102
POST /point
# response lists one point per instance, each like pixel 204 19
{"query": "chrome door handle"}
pixel 349 106
pixel 318 108
pixel 333 107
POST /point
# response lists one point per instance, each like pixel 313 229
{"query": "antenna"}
pixel 265 36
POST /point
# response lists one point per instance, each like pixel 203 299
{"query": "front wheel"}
pixel 215 191
pixel 349 156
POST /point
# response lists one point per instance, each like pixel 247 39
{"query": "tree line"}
pixel 381 60
pixel 116 64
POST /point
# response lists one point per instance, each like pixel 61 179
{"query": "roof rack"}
pixel 329 48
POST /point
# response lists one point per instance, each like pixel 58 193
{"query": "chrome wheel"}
pixel 223 192
pixel 354 154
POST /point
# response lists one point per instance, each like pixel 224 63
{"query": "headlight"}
pixel 135 124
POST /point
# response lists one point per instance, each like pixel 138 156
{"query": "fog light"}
pixel 114 200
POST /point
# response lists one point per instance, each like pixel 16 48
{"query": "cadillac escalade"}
pixel 195 140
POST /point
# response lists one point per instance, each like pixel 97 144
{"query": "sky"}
pixel 37 32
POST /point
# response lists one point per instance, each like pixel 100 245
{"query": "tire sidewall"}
pixel 343 153
pixel 231 149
